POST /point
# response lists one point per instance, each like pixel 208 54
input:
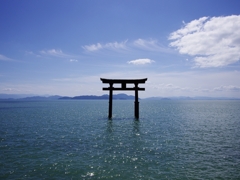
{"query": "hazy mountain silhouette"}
pixel 105 96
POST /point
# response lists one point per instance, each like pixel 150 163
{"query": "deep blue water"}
pixel 75 140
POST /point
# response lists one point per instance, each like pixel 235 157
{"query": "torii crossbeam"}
pixel 124 87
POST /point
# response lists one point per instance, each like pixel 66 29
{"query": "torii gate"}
pixel 124 87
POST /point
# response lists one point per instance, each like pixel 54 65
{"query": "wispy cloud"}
pixel 139 44
pixel 33 54
pixel 171 87
pixel 8 89
pixel 150 45
pixel 93 47
pixel 55 53
pixel 4 58
pixel 227 88
pixel 214 42
pixel 73 60
pixel 111 46
pixel 141 61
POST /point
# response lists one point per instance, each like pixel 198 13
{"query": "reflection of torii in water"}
pixel 124 87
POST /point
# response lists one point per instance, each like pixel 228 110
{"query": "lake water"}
pixel 75 140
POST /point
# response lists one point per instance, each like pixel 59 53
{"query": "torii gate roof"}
pixel 123 80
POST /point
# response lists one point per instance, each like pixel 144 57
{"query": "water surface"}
pixel 75 140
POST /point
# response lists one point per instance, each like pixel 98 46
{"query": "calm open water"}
pixel 75 140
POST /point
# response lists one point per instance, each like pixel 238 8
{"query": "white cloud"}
pixel 214 42
pixel 227 88
pixel 54 52
pixel 4 58
pixel 150 45
pixel 73 60
pixel 146 44
pixel 172 87
pixel 8 89
pixel 112 46
pixel 93 47
pixel 34 54
pixel 116 45
pixel 141 61
pixel 140 44
pixel 29 53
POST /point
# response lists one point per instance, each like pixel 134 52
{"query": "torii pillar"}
pixel 123 87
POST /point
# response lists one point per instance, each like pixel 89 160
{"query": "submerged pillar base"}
pixel 136 109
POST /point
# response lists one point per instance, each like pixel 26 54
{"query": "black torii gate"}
pixel 124 87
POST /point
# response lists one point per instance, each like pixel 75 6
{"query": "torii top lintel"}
pixel 119 81
pixel 124 82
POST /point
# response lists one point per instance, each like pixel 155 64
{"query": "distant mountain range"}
pixel 22 97
pixel 105 96
pixel 102 97
pixel 56 97
pixel 191 98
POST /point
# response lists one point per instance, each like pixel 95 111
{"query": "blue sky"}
pixel 184 48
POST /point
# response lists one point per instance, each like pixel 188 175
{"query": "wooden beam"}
pixel 119 81
pixel 124 85
pixel 124 89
